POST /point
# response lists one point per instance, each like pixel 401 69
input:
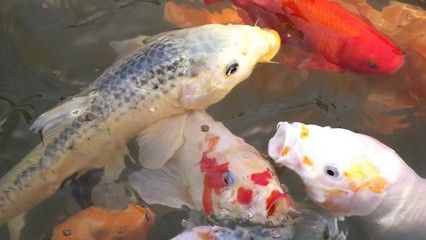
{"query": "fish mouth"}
pixel 278 204
pixel 273 42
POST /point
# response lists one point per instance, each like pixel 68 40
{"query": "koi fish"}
pixel 353 174
pixel 93 223
pixel 341 39
pixel 209 169
pixel 172 73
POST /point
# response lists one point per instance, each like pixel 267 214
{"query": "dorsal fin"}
pixel 62 115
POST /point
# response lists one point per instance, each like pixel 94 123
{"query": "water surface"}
pixel 50 49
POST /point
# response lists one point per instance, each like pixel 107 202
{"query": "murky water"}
pixel 49 49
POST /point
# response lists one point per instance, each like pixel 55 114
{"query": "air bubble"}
pixel 75 112
pixel 226 200
pixel 248 214
pixel 223 213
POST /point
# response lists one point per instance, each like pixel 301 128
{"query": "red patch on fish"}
pixel 212 180
pixel 273 198
pixel 262 178
pixel 244 195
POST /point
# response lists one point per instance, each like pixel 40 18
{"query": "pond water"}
pixel 50 49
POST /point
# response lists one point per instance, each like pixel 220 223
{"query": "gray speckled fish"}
pixel 174 72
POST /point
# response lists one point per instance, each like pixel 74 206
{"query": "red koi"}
pixel 336 35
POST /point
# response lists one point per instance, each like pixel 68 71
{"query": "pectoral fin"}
pixel 125 47
pixel 61 116
pixel 158 142
pixel 15 225
pixel 167 186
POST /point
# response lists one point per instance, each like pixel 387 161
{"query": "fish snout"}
pixel 273 44
pixel 278 204
pixel 282 146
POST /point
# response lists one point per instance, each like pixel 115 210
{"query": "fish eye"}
pixel 228 178
pixel 332 171
pixel 231 68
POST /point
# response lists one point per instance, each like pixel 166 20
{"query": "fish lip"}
pixel 278 203
pixel 274 44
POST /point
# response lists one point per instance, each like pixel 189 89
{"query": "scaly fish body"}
pixel 353 174
pixel 173 72
pixel 212 171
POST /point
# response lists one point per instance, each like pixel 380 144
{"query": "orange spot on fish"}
pixel 365 175
pixel 261 178
pixel 307 161
pixel 244 195
pixel 212 180
pixel 334 192
pixel 212 141
pixel 335 207
pixel 205 235
pixel 304 132
pixel 284 151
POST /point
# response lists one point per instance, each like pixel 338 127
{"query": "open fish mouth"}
pixel 277 206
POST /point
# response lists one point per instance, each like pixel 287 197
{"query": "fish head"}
pixel 375 55
pixel 222 56
pixel 241 184
pixel 344 172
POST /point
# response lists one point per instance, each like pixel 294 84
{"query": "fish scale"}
pixel 164 75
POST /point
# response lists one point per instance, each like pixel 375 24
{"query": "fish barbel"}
pixel 173 72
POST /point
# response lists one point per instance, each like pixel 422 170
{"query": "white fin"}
pixel 158 142
pixel 62 115
pixel 125 47
pixel 15 225
pixel 167 186
pixel 115 165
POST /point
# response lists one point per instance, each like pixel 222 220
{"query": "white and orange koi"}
pixel 353 174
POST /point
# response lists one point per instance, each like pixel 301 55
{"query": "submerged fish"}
pixel 224 233
pixel 174 72
pixel 209 169
pixel 339 37
pixel 93 223
pixel 354 174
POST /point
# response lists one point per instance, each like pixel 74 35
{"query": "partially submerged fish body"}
pixel 224 233
pixel 324 27
pixel 173 72
pixel 353 174
pixel 94 223
pixel 210 170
